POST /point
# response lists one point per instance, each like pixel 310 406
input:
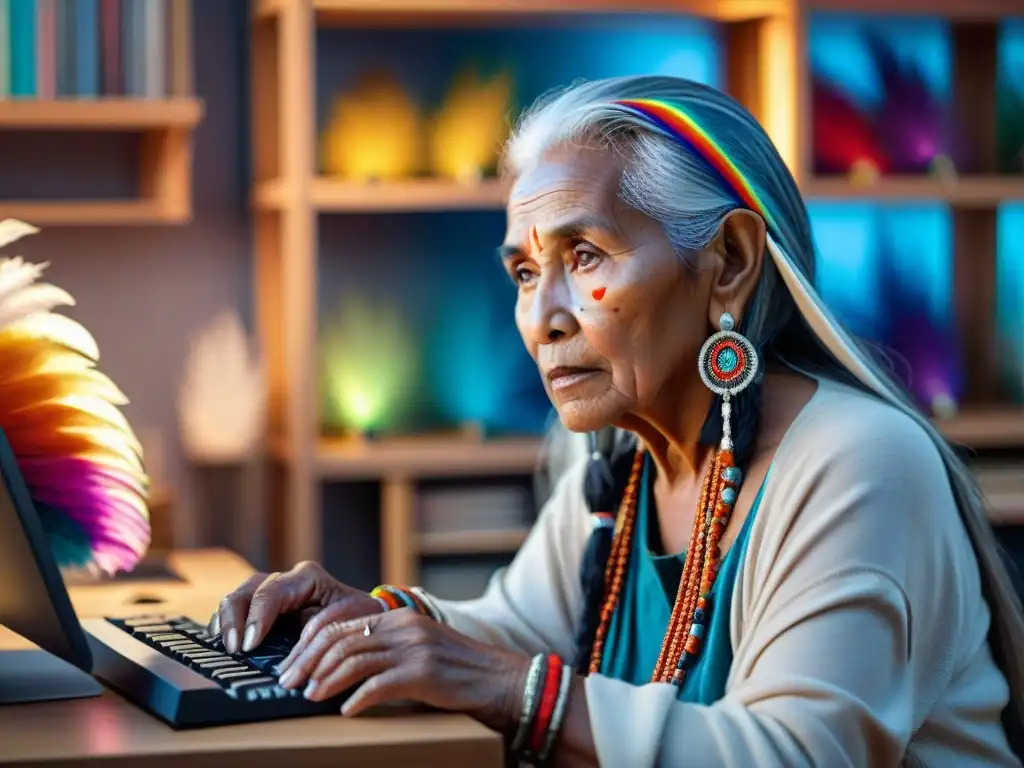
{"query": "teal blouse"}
pixel 645 606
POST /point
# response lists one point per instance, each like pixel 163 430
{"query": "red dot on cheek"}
pixel 598 293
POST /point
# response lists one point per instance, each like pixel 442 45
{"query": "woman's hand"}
pixel 406 656
pixel 247 614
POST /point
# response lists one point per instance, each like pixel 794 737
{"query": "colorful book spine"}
pixel 155 49
pixel 5 50
pixel 179 54
pixel 46 49
pixel 86 26
pixel 110 49
pixel 132 46
pixel 65 48
pixel 23 25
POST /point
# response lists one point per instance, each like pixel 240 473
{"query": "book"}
pixel 22 26
pixel 110 48
pixel 5 50
pixel 86 25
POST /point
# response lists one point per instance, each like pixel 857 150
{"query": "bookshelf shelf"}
pixel 470 542
pixel 416 13
pixel 89 212
pixel 954 10
pixel 414 195
pixel 421 457
pixel 101 114
pixel 963 192
pixel 984 428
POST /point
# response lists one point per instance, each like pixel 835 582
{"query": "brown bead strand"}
pixel 618 560
pixel 689 565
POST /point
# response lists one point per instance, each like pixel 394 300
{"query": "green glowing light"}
pixel 368 360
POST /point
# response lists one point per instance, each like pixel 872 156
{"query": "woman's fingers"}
pixel 392 683
pixel 278 594
pixel 345 610
pixel 353 667
pixel 302 664
pixel 233 609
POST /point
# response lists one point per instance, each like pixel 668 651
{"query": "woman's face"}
pixel 606 307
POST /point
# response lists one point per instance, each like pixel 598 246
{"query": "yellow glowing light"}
pixel 369 366
pixel 374 133
pixel 468 132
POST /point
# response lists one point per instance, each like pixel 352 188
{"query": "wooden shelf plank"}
pixel 955 10
pixel 965 192
pixel 470 542
pixel 100 114
pixel 90 212
pixel 986 427
pixel 408 13
pixel 413 195
pixel 425 457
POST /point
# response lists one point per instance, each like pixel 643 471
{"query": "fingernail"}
pixel 231 640
pixel 310 691
pixel 249 641
pixel 289 679
pixel 215 625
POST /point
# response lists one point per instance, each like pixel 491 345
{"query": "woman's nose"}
pixel 551 317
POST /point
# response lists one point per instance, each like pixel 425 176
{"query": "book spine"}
pixel 155 49
pixel 180 47
pixel 65 43
pixel 110 49
pixel 5 50
pixel 23 23
pixel 86 26
pixel 46 52
pixel 132 44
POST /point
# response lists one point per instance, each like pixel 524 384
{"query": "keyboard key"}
pixel 218 663
pixel 147 629
pixel 233 674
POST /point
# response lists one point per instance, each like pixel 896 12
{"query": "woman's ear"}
pixel 740 246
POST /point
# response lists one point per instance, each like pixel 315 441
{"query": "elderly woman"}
pixel 783 565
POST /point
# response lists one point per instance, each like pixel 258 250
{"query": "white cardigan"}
pixel 858 626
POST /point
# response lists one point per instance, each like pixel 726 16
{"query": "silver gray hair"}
pixel 785 317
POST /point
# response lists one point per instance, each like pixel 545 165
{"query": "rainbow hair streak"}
pixel 674 121
pixel 80 460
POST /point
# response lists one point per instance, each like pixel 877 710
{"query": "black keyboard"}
pixel 171 667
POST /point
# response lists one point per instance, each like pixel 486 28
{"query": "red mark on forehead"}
pixel 598 293
pixel 534 237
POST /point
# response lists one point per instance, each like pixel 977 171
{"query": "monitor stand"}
pixel 34 676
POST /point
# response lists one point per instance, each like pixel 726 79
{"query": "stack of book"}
pixel 87 49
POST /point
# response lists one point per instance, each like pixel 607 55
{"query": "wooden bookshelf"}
pixel 164 190
pixel 451 543
pixel 287 197
pixel 766 69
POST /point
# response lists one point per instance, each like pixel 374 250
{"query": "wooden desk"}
pixel 108 731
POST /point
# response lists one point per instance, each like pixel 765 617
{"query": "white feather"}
pixel 222 400
pixel 12 230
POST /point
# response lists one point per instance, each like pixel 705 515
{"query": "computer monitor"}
pixel 34 603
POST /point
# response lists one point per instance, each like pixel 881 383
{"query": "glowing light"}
pixel 369 367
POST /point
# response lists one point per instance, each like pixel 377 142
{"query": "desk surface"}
pixel 108 731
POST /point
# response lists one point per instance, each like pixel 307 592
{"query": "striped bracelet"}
pixel 391 598
pixel 545 696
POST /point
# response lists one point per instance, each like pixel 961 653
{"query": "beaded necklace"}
pixel 685 632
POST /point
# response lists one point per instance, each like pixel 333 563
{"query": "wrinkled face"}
pixel 608 310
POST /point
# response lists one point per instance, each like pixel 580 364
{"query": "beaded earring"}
pixel 728 364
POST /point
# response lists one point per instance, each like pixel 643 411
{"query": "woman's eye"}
pixel 522 275
pixel 586 258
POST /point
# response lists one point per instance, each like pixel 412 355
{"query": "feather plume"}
pixel 911 123
pixel 844 136
pixel 80 459
pixel 222 400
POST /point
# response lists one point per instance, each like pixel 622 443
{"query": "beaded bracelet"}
pixel 545 696
pixel 391 598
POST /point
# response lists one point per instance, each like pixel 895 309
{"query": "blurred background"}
pixel 278 219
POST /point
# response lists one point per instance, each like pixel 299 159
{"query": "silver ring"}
pixel 366 630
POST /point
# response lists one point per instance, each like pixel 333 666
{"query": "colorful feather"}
pixel 911 123
pixel 1011 124
pixel 927 346
pixel 844 136
pixel 80 459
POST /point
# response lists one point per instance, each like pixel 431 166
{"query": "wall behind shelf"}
pixel 143 291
